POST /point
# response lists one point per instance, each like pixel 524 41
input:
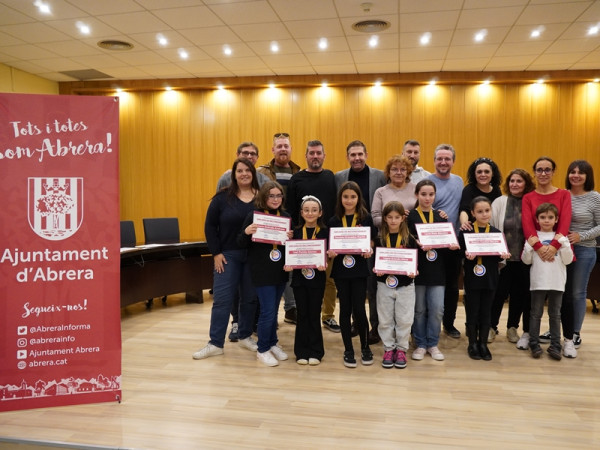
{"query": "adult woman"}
pixel 514 277
pixel 585 228
pixel 483 179
pixel 224 219
pixel 545 192
pixel 399 188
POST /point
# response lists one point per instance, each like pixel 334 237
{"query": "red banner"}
pixel 59 251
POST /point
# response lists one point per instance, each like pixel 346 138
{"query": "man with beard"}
pixel 412 151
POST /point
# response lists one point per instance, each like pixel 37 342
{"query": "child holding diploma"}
pixel 266 270
pixel 350 271
pixel 309 287
pixel 430 283
pixel 395 293
pixel 480 281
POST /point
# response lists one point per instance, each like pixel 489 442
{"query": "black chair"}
pixel 160 230
pixel 127 233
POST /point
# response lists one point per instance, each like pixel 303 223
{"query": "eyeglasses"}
pixel 278 135
pixel 248 154
pixel 545 170
pixel 276 196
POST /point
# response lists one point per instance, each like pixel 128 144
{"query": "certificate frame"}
pixel 305 253
pixel 436 235
pixel 271 229
pixel 396 261
pixel 485 244
pixel 349 240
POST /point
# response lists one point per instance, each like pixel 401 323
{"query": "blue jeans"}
pixel 578 273
pixel 233 282
pixel 429 311
pixel 268 298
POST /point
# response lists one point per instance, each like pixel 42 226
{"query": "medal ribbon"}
pixel 305 233
pixel 388 242
pixel 354 219
pixel 420 211
pixel 476 230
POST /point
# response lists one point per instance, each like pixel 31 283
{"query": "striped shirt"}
pixel 585 218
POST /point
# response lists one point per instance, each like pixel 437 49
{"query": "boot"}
pixel 484 351
pixel 473 349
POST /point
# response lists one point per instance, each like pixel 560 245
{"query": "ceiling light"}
pixel 227 50
pixel 593 30
pixel 480 36
pixel 274 47
pixel 168 88
pixel 220 87
pixel 373 41
pixel 42 7
pixel 486 82
pixel 540 81
pixel 377 83
pixel 323 43
pixel 83 28
pixel 535 33
pixel 425 38
pixel 183 54
pixel 162 40
pixel 324 84
pixel 271 86
pixel 596 80
pixel 432 83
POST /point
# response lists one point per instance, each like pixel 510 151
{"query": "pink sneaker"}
pixel 388 359
pixel 400 362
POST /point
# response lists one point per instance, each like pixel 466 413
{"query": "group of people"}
pixel 550 233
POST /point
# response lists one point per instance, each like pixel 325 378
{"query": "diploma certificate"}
pixel 396 261
pixel 349 240
pixel 436 235
pixel 271 229
pixel 305 253
pixel 485 243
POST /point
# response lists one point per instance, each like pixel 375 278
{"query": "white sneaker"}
pixel 314 361
pixel 279 353
pixel 419 353
pixel 569 349
pixel 267 358
pixel 209 350
pixel 491 335
pixel 302 361
pixel 249 344
pixel 512 335
pixel 523 342
pixel 435 353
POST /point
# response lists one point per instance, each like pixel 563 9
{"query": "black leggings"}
pixel 352 293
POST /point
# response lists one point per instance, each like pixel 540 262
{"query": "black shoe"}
pixel 233 334
pixel 353 330
pixel 473 351
pixel 484 352
pixel 366 356
pixel 576 340
pixel 452 332
pixel 536 350
pixel 291 316
pixel 332 325
pixel 349 360
pixel 554 352
pixel 545 338
pixel 373 337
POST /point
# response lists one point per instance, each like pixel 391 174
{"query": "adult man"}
pixel 369 180
pixel 314 180
pixel 280 169
pixel 447 198
pixel 247 150
pixel 412 151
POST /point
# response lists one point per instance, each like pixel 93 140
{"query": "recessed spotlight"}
pixel 596 80
pixel 274 47
pixel 432 83
pixel 168 88
pixel 220 87
pixel 162 40
pixel 227 50
pixel 425 38
pixel 377 83
pixel 540 81
pixel 535 33
pixel 593 30
pixel 271 86
pixel 183 54
pixel 83 28
pixel 324 84
pixel 119 90
pixel 373 41
pixel 480 35
pixel 323 44
pixel 486 82
pixel 42 7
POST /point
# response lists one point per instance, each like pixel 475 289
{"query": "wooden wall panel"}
pixel 175 145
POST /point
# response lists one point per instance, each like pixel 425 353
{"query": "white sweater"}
pixel 548 276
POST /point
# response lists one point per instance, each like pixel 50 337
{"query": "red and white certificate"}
pixel 271 229
pixel 436 235
pixel 485 243
pixel 396 261
pixel 350 240
pixel 305 253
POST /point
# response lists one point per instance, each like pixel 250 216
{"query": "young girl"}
pixel 431 280
pixel 350 272
pixel 309 287
pixel 480 282
pixel 395 293
pixel 266 270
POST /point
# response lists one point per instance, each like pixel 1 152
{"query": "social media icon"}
pixel 21 354
pixel 22 330
pixel 21 365
pixel 22 342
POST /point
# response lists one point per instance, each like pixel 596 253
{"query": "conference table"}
pixel 158 270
